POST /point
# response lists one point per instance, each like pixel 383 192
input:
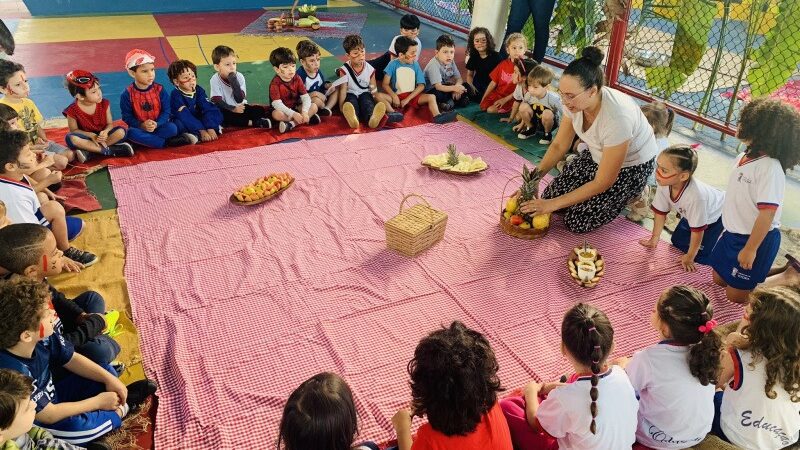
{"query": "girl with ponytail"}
pixel 560 410
pixel 675 378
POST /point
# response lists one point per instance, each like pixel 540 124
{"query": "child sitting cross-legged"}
pixel 291 103
pixel 192 111
pixel 17 412
pixel 16 190
pixel 29 250
pixel 443 78
pixel 308 53
pixel 404 83
pixel 89 401
pixel 91 127
pixel 229 93
pixel 454 384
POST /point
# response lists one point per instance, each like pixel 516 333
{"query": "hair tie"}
pixel 705 329
pixel 592 329
pixel 596 346
pixel 694 147
pixel 596 361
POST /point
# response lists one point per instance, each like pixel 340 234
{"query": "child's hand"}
pixel 498 104
pixel 518 127
pixel 746 258
pixel 687 261
pixel 52 196
pixel 404 102
pixel 547 387
pixel 650 243
pixel 40 141
pixel 213 134
pixel 305 117
pixel 239 109
pixel 402 420
pixel 460 89
pixel 102 137
pixel 532 389
pixel 395 100
pixel 72 266
pixel 53 178
pixel 149 126
pixel 298 118
pixel 114 386
pixel 107 401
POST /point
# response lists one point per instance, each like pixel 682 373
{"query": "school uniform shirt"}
pixel 222 90
pixel 54 351
pixel 490 433
pixel 313 84
pixel 551 100
pixel 405 77
pixel 698 203
pixel 22 205
pixel 620 119
pixel 565 413
pixel 93 123
pixel 748 417
pixel 394 53
pixel 361 83
pixel 755 183
pixel 675 410
pixel 482 68
pixel 30 118
pixel 436 72
pixel 138 105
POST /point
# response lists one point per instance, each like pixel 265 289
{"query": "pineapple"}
pixel 530 187
pixel 452 155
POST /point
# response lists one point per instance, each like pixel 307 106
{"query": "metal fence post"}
pixel 616 46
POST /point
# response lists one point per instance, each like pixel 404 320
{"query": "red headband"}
pixel 82 79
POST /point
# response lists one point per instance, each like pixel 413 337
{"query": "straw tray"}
pixel 456 172
pixel 236 201
pixel 415 229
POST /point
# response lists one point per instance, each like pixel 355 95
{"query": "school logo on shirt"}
pixel 779 433
pixel 744 178
pixel 659 436
pixel 736 274
pixel 682 211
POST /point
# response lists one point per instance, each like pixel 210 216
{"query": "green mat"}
pixel 530 149
pixel 99 184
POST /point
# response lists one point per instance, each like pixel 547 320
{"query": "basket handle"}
pixel 419 197
pixel 503 197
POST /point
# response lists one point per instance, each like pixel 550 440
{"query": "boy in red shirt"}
pixel 291 103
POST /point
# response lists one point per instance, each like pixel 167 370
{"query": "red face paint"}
pixel 44 263
pixel 661 177
pixel 41 331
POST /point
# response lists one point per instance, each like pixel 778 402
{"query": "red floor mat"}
pixel 208 22
pixel 78 196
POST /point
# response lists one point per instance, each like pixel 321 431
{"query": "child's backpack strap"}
pixel 354 77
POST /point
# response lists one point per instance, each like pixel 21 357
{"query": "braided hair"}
pixel 588 336
pixel 683 156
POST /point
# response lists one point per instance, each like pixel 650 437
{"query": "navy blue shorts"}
pixel 724 259
pixel 74 227
pixel 682 236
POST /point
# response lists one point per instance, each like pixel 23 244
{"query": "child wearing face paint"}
pixel 292 106
pixel 29 250
pixel 699 205
pixel 499 95
pixel 89 401
pixel 192 111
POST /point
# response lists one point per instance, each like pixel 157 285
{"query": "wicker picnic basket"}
pixel 415 229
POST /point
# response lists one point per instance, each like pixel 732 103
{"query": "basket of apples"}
pixel 521 225
pixel 262 189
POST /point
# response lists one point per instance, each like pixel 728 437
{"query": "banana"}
pixel 600 273
pixel 595 279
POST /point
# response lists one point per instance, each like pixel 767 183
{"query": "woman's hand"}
pixel 538 206
pixel 650 243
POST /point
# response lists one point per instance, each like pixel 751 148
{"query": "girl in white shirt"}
pixel 760 407
pixel 675 378
pixel 595 409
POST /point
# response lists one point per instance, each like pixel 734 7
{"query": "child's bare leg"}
pixel 278 115
pixel 385 99
pixel 54 212
pixel 492 110
pixel 41 174
pixel 85 144
pixel 548 120
pixel 60 161
pixel 333 100
pixel 718 279
pixel 318 99
pixel 430 100
pixel 313 110
pixel 525 114
pixel 42 197
pixel 115 137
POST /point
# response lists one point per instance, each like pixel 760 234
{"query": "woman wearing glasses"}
pixel 594 187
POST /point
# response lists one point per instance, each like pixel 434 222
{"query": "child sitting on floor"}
pixel 752 209
pixel 89 401
pixel 358 97
pixel 454 384
pixel 481 60
pixel 499 94
pixel 315 83
pixel 409 27
pixel 145 106
pixel 320 414
pixel 14 85
pixel 16 159
pixel 229 93
pixel 760 374
pixel 17 412
pixel 405 81
pixel 442 77
pixel 540 108
pixel 89 118
pixel 191 110
pixel 29 250
pixel 291 104
pixel 675 378
pixel 609 419
pixel 699 205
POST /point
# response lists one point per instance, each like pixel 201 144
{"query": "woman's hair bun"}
pixel 593 54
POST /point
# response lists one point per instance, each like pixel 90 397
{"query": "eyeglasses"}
pixel 571 97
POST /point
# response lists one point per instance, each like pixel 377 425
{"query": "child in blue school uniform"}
pixel 751 213
pixel 192 111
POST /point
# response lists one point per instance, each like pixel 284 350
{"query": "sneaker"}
pixel 182 139
pixel 446 106
pixel 81 156
pixel 314 120
pixel 349 113
pixel 527 133
pixel 138 391
pixel 326 112
pixel 394 117
pixel 445 117
pixel 264 122
pixel 98 445
pixel 377 115
pixel 80 256
pixel 121 149
pixel 118 367
pixel 285 126
pixel 547 138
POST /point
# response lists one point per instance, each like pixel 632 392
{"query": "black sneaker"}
pixel 285 126
pixel 98 445
pixel 394 117
pixel 121 149
pixel 80 256
pixel 264 122
pixel 446 106
pixel 527 133
pixel 182 139
pixel 138 391
pixel 547 138
pixel 445 117
pixel 314 120
pixel 325 111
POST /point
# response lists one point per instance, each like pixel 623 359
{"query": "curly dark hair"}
pixel 771 127
pixel 14 388
pixel 7 70
pixel 21 308
pixel 352 42
pixel 454 379
pixel 11 144
pixel 319 415
pixel 281 55
pixel 684 309
pixel 490 45
pixel 177 67
pixel 21 246
pixel 774 336
pixel 306 48
pixel 588 336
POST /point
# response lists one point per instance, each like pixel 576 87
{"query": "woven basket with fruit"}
pixel 454 162
pixel 516 223
pixel 586 266
pixel 262 189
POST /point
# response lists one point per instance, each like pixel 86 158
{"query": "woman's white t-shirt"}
pixel 620 119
